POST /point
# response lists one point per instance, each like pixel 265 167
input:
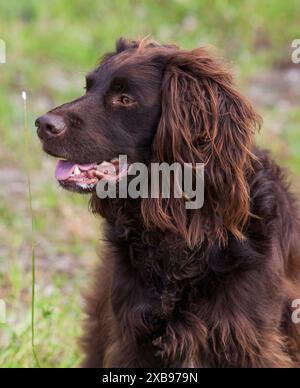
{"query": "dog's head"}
pixel 159 103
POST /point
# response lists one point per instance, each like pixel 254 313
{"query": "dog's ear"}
pixel 124 44
pixel 204 119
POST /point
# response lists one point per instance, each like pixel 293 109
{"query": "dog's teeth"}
pixel 104 164
pixel 77 171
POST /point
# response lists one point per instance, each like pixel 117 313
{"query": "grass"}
pixel 50 46
pixel 33 257
pixel 57 324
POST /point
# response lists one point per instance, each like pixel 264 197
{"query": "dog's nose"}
pixel 50 125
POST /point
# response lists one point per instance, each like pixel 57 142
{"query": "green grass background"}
pixel 50 46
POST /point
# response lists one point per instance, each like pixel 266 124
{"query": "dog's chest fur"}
pixel 161 295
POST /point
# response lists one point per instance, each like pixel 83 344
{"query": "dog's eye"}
pixel 126 100
pixel 123 100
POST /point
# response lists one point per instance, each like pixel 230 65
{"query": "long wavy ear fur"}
pixel 204 119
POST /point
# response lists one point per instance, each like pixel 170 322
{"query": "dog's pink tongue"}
pixel 64 169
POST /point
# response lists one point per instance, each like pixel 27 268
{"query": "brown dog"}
pixel 182 288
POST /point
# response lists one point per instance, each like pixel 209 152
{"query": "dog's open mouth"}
pixel 85 177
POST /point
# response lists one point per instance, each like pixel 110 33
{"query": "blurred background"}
pixel 50 47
